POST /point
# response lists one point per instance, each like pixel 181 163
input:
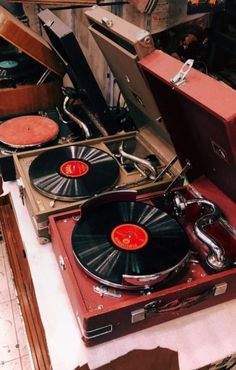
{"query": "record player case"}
pixel 41 206
pixel 102 313
pixel 30 98
pixel 150 138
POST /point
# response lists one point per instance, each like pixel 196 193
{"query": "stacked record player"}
pixel 130 260
pixel 35 113
pixel 30 84
pixel 60 178
pixel 25 65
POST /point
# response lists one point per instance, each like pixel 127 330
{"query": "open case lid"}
pixel 28 41
pixel 67 47
pixel 129 36
pixel 200 116
pixel 123 44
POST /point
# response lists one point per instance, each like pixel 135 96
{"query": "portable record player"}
pixel 129 270
pixel 145 157
pixel 27 97
pixel 136 269
pixel 60 178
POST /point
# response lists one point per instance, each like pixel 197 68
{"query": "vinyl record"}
pixel 73 172
pixel 128 239
pixel 28 131
pixel 19 68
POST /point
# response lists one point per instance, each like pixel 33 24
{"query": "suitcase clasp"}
pixel 108 22
pixel 179 78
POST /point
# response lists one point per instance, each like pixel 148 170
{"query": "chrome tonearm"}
pixel 81 124
pixel 216 258
pixel 138 162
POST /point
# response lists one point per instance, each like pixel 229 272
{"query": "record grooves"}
pixel 132 239
pixel 74 172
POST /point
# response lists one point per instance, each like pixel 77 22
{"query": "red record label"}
pixel 74 168
pixel 129 237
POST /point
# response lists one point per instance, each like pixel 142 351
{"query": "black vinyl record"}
pixel 73 172
pixel 128 238
pixel 19 68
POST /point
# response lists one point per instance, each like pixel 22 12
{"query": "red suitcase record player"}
pixel 133 268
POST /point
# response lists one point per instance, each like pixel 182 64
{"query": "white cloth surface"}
pixel 200 338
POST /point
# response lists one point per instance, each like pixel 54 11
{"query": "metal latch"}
pixel 179 79
pixel 108 22
pixel 220 289
pixel 138 315
pixel 21 190
pixel 62 263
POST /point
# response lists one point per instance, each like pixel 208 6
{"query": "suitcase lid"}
pixel 133 38
pixel 200 115
pixel 65 43
pixel 25 39
pixel 122 45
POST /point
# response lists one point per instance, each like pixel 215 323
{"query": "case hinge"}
pixel 21 190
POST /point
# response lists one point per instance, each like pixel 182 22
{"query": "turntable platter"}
pixel 132 239
pixel 28 131
pixel 73 172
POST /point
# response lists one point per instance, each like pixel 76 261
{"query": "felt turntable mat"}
pixel 25 131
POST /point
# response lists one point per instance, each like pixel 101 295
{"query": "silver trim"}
pixel 179 78
pixel 216 257
pixel 161 275
pixel 137 161
pixel 88 336
pixel 81 124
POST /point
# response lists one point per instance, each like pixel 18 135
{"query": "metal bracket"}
pixel 220 288
pixel 108 22
pixel 62 263
pixel 106 291
pixel 179 78
pixel 21 190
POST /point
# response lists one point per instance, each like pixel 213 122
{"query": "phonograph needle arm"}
pixel 81 124
pixel 216 258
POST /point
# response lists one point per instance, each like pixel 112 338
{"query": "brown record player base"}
pixel 105 313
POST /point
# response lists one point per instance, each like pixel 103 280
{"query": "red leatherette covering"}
pixel 200 116
pixel 112 316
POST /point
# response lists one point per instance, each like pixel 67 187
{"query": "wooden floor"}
pixel 14 347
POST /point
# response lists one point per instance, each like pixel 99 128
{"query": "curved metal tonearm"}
pixel 81 124
pixel 216 257
pixel 138 162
